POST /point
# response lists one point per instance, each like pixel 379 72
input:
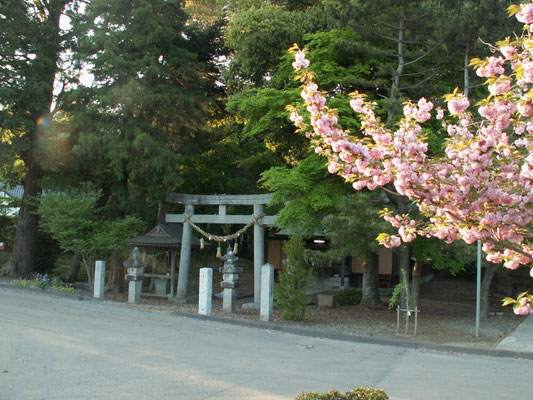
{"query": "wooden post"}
pixel 259 252
pixel 185 256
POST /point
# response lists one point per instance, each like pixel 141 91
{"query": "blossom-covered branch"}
pixel 481 189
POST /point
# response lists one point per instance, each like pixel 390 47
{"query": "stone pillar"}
pixel 173 273
pixel 267 292
pixel 185 256
pixel 99 280
pixel 259 252
pixel 231 280
pixel 206 291
pixel 135 277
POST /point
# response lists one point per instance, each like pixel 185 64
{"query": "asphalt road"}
pixel 61 348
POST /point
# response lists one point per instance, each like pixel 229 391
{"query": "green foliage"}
pixel 401 287
pixel 22 282
pixel 355 224
pixel 42 281
pixel 259 36
pixel 56 282
pixel 349 297
pixel 265 117
pixel 59 286
pixel 343 64
pixel 80 227
pixel 46 253
pixel 7 230
pixel 289 293
pixel 356 394
pixel 227 163
pixel 30 43
pixel 67 289
pixel 341 68
pixel 454 257
pixel 306 192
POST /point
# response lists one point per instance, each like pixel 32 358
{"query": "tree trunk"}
pixel 397 73
pixel 88 263
pixel 403 251
pixel 466 76
pixel 74 269
pixel 161 213
pixel 115 269
pixel 415 284
pixel 22 260
pixel 490 270
pixel 370 295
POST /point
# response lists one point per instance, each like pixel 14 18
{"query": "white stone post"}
pixel 259 252
pixel 267 292
pixel 185 256
pixel 99 280
pixel 206 291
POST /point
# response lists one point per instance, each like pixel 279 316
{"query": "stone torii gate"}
pixel 188 219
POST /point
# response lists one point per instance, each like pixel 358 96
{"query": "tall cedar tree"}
pixel 31 42
pixel 154 86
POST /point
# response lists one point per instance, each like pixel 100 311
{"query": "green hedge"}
pixel 356 394
pixel 349 297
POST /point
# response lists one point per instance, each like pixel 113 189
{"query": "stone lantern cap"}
pixel 229 266
pixel 135 266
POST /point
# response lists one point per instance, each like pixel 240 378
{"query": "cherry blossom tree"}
pixel 480 189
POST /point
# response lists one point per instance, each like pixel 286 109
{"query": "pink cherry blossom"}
pixel 523 310
pixel 527 66
pixel 493 67
pixel 508 51
pixel 525 15
pixel 525 108
pixel 301 61
pixel 458 105
pixel 499 88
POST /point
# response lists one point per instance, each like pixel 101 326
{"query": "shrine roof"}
pixel 163 235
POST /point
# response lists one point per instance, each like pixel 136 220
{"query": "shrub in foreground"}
pixel 349 297
pixel 356 394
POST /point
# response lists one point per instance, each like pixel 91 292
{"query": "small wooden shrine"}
pixel 166 237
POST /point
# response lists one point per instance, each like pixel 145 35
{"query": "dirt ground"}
pixel 447 314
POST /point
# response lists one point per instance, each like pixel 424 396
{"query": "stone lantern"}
pixel 230 281
pixel 135 276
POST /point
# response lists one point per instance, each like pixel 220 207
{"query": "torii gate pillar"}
pixel 185 257
pixel 259 253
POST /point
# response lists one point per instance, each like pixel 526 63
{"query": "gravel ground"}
pixel 447 314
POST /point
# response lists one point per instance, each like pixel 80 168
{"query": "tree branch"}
pixel 423 55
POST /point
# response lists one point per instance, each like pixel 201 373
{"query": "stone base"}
pixel 180 300
pixel 327 299
pixel 250 306
pixel 162 286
